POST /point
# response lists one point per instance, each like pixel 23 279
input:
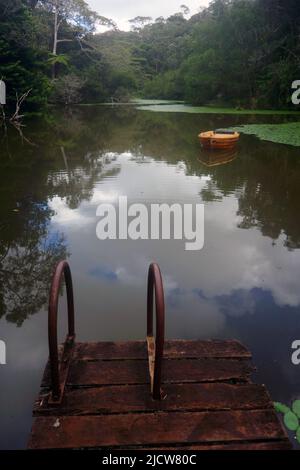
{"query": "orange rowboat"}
pixel 219 139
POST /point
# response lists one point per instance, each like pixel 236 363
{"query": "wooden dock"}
pixel 153 394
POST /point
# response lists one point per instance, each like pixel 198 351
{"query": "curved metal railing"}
pixel 155 346
pixel 59 369
pixel 58 376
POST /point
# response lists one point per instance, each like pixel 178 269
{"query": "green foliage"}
pixel 296 408
pixel 167 85
pixel 281 408
pixel 59 59
pixel 290 418
pixel 94 87
pixel 241 53
pixel 67 89
pixel 27 59
pixel 291 421
pixel 22 64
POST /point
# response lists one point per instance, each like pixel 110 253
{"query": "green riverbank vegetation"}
pixel 238 53
pixel 287 133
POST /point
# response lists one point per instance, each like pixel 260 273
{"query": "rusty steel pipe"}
pixel 61 269
pixel 155 283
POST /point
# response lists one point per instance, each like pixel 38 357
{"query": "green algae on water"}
pixel 185 108
pixel 288 133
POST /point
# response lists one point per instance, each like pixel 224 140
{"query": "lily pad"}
pixel 281 408
pixel 296 408
pixel 291 421
pixel 288 133
pixel 298 435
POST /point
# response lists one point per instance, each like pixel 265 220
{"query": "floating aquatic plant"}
pixel 288 133
pixel 167 106
pixel 291 416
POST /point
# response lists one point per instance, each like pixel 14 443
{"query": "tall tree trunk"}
pixel 55 34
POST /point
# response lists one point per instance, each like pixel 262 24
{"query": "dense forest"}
pixel 242 53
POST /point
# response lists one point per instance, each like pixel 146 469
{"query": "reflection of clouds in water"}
pixel 64 215
pixel 100 196
pixel 244 259
pixel 239 302
pixel 124 276
pixel 120 274
pixel 169 284
pixel 279 274
pixel 192 316
pixel 101 272
pixel 128 278
pixel 232 260
pixel 224 215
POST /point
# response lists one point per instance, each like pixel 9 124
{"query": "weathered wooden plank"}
pixel 154 429
pixel 137 398
pixel 265 445
pixel 136 372
pixel 231 349
pixel 109 350
pixel 173 349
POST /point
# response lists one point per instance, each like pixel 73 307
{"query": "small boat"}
pixel 219 139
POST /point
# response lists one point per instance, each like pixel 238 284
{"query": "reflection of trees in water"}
pixel 77 184
pixel 67 161
pixel 264 177
pixel 272 203
pixel 74 151
pixel 27 259
pixel 265 180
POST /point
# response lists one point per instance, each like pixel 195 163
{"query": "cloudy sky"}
pixel 122 10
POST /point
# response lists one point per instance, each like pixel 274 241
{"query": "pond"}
pixel 244 283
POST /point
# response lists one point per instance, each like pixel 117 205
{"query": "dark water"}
pixel 244 284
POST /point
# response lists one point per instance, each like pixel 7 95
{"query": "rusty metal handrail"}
pixel 57 384
pixel 155 346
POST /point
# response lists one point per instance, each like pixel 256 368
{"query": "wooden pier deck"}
pixel 154 394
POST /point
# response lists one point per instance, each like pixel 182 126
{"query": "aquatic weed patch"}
pixel 167 107
pixel 291 416
pixel 288 133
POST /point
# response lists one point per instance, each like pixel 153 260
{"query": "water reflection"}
pixel 243 284
pixel 215 158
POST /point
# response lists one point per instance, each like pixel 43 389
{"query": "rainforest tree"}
pixel 243 53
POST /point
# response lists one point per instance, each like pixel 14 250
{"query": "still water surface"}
pixel 244 284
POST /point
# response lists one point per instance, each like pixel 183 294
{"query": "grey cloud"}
pixel 122 10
